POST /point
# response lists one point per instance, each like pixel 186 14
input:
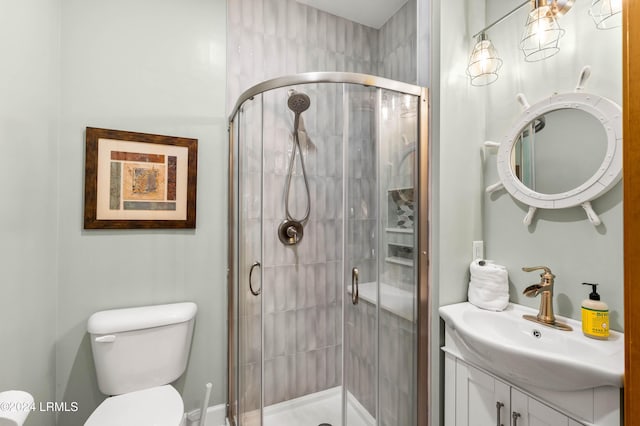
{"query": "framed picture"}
pixel 139 180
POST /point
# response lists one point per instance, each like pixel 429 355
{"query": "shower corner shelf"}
pixel 400 254
pixel 400 223
pixel 399 230
pixel 400 204
pixel 399 261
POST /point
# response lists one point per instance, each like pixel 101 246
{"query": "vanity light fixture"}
pixel 606 14
pixel 484 62
pixel 541 33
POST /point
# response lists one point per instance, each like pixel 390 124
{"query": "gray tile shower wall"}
pixel 303 283
pixel 396 363
pixel 273 38
pixel 397 45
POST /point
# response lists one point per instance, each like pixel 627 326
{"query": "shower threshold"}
pixel 313 410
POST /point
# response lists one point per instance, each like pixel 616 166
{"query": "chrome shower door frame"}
pixel 423 273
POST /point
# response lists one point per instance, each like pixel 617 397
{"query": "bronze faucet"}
pixel 545 290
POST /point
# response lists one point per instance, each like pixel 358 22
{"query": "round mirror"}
pixel 559 151
pixel 564 151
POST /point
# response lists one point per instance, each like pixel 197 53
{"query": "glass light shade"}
pixel 606 14
pixel 484 62
pixel 541 35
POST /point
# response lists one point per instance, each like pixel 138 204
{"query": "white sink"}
pixel 532 354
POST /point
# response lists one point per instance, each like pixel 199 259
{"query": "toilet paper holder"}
pixel 15 407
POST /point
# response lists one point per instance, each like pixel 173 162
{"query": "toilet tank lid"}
pixel 139 318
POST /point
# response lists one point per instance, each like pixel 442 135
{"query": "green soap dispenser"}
pixel 595 315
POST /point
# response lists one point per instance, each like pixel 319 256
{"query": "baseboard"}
pixel 215 416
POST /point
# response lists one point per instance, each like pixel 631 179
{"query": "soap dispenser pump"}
pixel 595 315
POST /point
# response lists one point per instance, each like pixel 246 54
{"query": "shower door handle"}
pixel 254 292
pixel 354 286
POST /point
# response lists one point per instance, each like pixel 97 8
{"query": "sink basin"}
pixel 532 354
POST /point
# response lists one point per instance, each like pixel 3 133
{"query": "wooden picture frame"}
pixel 139 180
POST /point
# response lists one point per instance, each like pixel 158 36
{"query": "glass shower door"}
pixel 397 326
pixel 380 334
pixel 302 312
pixel 249 264
pixel 360 263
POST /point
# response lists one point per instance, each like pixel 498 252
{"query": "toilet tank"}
pixel 143 347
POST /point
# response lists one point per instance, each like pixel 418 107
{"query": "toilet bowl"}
pixel 138 352
pixel 157 406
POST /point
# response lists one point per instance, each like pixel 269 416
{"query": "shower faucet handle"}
pixel 290 232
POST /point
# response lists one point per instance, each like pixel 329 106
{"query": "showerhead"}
pixel 298 102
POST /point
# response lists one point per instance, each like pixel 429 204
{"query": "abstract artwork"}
pixel 139 180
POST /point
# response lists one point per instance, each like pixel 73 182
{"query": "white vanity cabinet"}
pixel 474 397
pixel 531 412
pixel 545 376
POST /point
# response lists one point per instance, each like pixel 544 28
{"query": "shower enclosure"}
pixel 328 248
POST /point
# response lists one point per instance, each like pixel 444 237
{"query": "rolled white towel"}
pixel 15 406
pixel 489 285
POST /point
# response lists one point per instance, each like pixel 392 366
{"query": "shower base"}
pixel 313 410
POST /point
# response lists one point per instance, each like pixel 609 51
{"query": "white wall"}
pixel 155 66
pixel 456 173
pixel 149 66
pixel 563 240
pixel 29 78
pixel 459 171
pixel 465 116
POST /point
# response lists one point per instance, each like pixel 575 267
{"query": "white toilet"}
pixel 137 353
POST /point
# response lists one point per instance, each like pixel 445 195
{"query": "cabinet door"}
pixel 480 398
pixel 531 412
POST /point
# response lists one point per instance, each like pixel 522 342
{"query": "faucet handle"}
pixel 546 278
pixel 535 268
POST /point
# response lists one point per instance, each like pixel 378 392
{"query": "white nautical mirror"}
pixel 563 151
